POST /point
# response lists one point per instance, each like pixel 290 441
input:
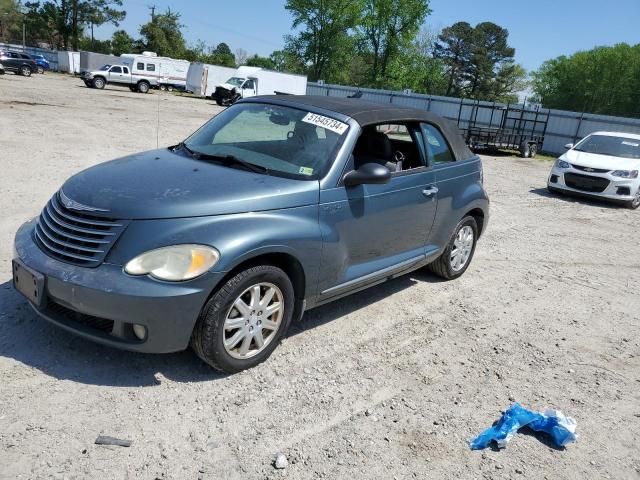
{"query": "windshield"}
pixel 236 81
pixel 288 142
pixel 104 68
pixel 609 145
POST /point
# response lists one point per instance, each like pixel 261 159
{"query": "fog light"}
pixel 140 331
pixel 624 191
pixel 554 178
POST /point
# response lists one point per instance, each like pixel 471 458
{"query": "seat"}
pixel 374 147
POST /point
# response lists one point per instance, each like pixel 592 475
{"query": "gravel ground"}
pixel 389 383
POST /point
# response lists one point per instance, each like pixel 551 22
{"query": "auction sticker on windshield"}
pixel 326 123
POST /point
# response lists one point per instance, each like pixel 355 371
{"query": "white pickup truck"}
pixel 118 75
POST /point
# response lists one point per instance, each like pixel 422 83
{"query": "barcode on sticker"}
pixel 325 122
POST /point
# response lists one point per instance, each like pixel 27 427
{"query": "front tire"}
pixel 99 83
pixel 245 319
pixel 457 256
pixel 635 203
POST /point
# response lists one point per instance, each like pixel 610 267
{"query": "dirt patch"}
pixel 389 383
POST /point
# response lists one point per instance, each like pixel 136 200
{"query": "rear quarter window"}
pixel 438 149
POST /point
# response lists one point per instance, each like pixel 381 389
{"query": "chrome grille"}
pixel 589 169
pixel 75 237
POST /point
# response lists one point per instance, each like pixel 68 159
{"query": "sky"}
pixel 539 30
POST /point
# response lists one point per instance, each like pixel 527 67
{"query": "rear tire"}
pixel 533 150
pixel 460 247
pixel 25 71
pixel 525 150
pixel 143 87
pixel 213 336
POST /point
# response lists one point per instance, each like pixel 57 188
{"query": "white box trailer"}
pixel 253 81
pixel 68 62
pixel 166 73
pixel 202 78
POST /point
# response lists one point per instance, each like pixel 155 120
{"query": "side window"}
pixel 395 146
pixel 438 150
pixel 140 66
pixel 125 70
pixel 116 70
pixel 249 85
pixel 151 67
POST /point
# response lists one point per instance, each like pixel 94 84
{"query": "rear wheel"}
pixel 525 150
pixel 162 88
pixel 533 150
pixel 99 82
pixel 244 321
pixel 170 88
pixel 457 256
pixel 25 71
pixel 143 87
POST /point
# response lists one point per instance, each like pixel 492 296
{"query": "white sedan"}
pixel 603 165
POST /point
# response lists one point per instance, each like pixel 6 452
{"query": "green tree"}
pixel 414 67
pixel 10 21
pixel 604 80
pixel 455 48
pixel 122 42
pixel 263 62
pixel 388 27
pixel 99 12
pixel 221 55
pixel 324 43
pixel 163 35
pixel 285 61
pixel 479 62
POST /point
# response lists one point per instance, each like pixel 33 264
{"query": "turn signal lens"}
pixel 175 263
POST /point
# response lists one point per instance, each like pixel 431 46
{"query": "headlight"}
pixel 562 164
pixel 175 263
pixel 625 173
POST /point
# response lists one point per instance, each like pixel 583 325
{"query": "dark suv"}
pixel 18 62
pixel 275 206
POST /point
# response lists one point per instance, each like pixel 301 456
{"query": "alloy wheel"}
pixel 462 247
pixel 253 320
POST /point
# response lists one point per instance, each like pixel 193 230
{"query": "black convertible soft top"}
pixel 370 113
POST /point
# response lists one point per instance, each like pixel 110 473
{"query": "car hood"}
pixel 227 86
pixel 164 184
pixel 595 160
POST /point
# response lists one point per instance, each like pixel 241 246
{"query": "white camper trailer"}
pixel 165 73
pixel 202 79
pixel 253 81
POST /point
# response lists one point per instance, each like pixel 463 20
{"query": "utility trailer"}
pixel 497 126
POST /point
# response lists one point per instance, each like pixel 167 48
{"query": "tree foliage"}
pixel 122 42
pixel 163 35
pixel 604 80
pixel 387 29
pixel 324 44
pixel 479 62
pixel 263 62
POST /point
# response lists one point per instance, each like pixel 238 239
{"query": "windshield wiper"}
pixel 232 159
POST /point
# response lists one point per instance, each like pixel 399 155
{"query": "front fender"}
pixel 238 238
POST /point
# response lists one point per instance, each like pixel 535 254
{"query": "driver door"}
pixel 249 88
pixel 374 231
pixel 115 74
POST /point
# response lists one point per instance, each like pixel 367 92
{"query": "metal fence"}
pixel 563 126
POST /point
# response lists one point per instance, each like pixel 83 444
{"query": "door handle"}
pixel 430 192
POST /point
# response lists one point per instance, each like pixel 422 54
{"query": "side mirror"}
pixel 569 146
pixel 367 174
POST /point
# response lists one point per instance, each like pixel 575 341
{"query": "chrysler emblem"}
pixel 73 205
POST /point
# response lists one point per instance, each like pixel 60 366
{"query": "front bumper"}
pixel 618 189
pixel 102 303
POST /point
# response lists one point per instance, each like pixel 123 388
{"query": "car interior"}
pixel 392 145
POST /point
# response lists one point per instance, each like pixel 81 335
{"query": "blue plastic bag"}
pixel 561 429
